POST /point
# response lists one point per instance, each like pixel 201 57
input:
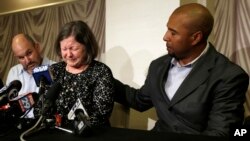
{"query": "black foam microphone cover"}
pixel 51 97
pixel 81 123
pixel 12 89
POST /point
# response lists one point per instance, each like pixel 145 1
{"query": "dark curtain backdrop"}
pixel 43 25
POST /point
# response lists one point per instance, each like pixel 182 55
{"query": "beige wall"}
pixel 139 120
pixel 134 37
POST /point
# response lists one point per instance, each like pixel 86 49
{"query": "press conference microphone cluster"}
pixel 10 112
pixel 43 78
pixel 9 93
pixel 18 103
pixel 81 120
pixel 47 108
pixel 16 106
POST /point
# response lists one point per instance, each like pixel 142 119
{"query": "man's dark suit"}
pixel 208 101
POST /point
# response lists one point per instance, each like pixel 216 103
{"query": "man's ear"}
pixel 38 48
pixel 196 37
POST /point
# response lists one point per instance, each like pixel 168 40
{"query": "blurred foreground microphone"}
pixel 9 114
pixel 51 97
pixel 42 75
pixel 12 89
pixel 25 102
pixel 81 123
pixel 81 118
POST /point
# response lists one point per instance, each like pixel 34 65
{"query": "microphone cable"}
pixel 32 128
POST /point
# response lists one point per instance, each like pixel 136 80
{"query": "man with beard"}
pixel 28 54
pixel 194 88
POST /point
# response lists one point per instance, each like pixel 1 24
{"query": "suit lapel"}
pixel 198 75
pixel 163 76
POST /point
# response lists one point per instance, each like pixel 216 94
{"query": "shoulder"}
pixel 57 70
pixel 222 65
pixel 232 68
pixel 56 67
pixel 16 69
pixel 165 59
pixel 98 67
pixel 14 73
pixel 58 64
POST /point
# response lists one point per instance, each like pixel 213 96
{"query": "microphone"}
pixel 81 118
pixel 42 75
pixel 25 102
pixel 81 123
pixel 12 89
pixel 51 97
pixel 11 114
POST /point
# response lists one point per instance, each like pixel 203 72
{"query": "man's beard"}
pixel 173 55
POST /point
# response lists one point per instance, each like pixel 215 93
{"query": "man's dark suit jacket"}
pixel 209 101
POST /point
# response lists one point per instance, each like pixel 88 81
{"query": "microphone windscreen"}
pixel 51 96
pixel 15 84
pixel 42 74
pixel 53 91
pixel 81 123
pixel 12 89
pixel 78 111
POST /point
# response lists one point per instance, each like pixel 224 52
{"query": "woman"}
pixel 81 76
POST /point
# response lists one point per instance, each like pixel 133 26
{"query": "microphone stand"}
pixel 41 119
pixel 42 86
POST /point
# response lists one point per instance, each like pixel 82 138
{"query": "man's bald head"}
pixel 200 19
pixel 26 51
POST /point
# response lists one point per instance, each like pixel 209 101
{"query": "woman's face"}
pixel 73 53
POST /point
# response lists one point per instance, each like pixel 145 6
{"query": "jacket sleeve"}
pixel 227 110
pixel 131 97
